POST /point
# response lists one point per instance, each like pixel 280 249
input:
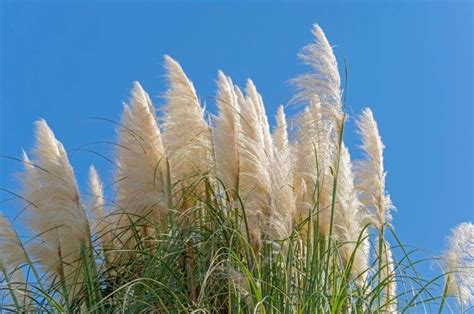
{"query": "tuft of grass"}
pixel 221 218
pixel 202 259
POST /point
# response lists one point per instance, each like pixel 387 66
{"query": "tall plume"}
pixel 12 255
pixel 141 176
pixel 255 182
pixel 10 245
pixel 256 98
pixel 227 133
pixel 281 170
pixel 348 226
pixel 315 151
pixel 387 274
pixel 280 134
pixel 324 80
pixel 459 264
pixel 370 174
pixel 319 126
pixel 99 223
pixel 186 134
pixel 54 211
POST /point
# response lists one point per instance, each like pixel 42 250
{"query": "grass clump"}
pixel 222 215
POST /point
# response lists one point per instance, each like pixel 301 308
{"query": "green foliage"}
pixel 201 259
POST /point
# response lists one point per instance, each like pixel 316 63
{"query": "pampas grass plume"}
pixel 54 212
pixel 255 181
pixel 10 246
pixel 186 134
pixel 227 133
pixel 281 172
pixel 324 80
pixel 12 255
pixel 370 173
pixel 142 165
pixel 348 225
pixel 459 264
pixel 100 222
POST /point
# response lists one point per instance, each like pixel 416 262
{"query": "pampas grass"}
pixel 283 202
pixel 10 262
pixel 99 221
pixel 186 135
pixel 348 222
pixel 141 174
pixel 459 264
pixel 324 80
pixel 12 254
pixel 254 162
pixel 315 150
pixel 371 174
pixel 216 213
pixel 54 211
pixel 227 132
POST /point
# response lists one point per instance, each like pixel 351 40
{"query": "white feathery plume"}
pixel 10 245
pixel 387 274
pixel 280 134
pixel 12 255
pixel 257 100
pixel 141 175
pixel 319 126
pixel 370 184
pixel 348 226
pixel 100 226
pixel 186 135
pixel 324 81
pixel 55 213
pixel 227 133
pixel 96 189
pixel 315 151
pixel 370 174
pixel 255 181
pixel 281 170
pixel 459 264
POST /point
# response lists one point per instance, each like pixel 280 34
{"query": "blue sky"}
pixel 411 62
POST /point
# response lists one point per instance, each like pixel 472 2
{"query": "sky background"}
pixel 411 62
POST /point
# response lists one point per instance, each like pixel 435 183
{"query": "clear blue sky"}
pixel 412 63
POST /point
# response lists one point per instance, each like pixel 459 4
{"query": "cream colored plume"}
pixel 348 225
pixel 388 276
pixel 10 245
pixel 254 96
pixel 324 80
pixel 459 264
pixel 280 134
pixel 186 134
pixel 283 207
pixel 227 133
pixel 319 128
pixel 315 151
pixel 54 213
pixel 255 182
pixel 11 257
pixel 141 177
pixel 370 174
pixel 100 224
